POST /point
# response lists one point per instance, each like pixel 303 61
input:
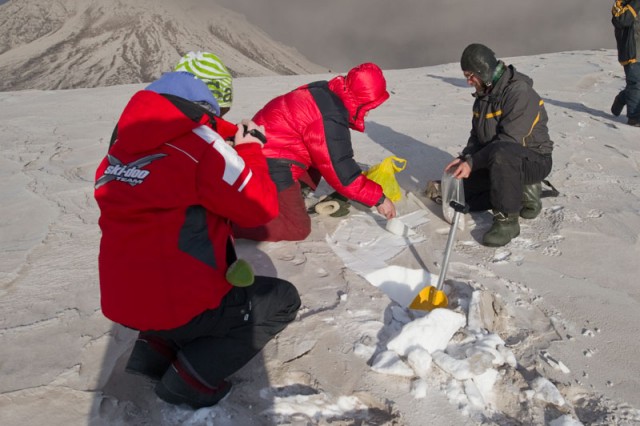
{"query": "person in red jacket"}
pixel 167 190
pixel 309 138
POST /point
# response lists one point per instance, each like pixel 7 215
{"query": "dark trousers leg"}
pixel 632 90
pixel 219 342
pixel 499 186
pixel 477 190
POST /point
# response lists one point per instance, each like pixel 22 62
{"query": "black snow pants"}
pixel 218 342
pixel 499 185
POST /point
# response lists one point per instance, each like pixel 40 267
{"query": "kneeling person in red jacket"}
pixel 309 139
pixel 167 190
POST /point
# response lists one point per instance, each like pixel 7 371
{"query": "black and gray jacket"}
pixel 626 29
pixel 511 112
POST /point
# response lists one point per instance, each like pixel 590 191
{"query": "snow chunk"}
pixel 463 369
pixel 431 332
pixel 547 391
pixel 419 388
pixel 420 360
pixel 389 362
pixel 565 420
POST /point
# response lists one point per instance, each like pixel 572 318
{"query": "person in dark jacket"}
pixel 627 32
pixel 508 153
pixel 309 139
pixel 174 178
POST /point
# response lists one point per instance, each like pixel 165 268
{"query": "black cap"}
pixel 480 60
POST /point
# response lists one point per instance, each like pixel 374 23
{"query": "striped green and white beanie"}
pixel 210 69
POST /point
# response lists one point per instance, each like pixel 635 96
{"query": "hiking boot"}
pixel 635 122
pixel 151 357
pixel 179 387
pixel 505 227
pixel 531 204
pixel 434 191
pixel 618 104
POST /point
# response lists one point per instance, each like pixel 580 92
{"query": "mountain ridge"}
pixel 68 44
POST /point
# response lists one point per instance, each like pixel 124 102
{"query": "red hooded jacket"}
pixel 166 191
pixel 310 127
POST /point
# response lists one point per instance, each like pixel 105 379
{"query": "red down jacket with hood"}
pixel 310 126
pixel 166 191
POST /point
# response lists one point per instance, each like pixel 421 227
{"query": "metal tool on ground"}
pixel 432 297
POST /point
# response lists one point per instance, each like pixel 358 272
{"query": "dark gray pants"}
pixel 218 342
pixel 499 185
pixel 632 90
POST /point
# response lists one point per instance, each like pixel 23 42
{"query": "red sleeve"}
pixel 235 184
pixel 225 128
pixel 360 189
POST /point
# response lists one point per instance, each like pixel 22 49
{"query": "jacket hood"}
pixel 363 89
pixel 150 120
pixel 515 75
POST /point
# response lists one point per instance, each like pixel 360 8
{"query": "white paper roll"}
pixel 326 208
pixel 396 226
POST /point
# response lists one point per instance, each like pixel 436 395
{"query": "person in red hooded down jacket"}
pixel 174 177
pixel 309 138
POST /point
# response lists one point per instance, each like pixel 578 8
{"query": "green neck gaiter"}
pixel 500 69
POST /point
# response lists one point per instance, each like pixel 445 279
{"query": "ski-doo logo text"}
pixel 128 173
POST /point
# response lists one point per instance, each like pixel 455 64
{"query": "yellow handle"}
pixel 395 160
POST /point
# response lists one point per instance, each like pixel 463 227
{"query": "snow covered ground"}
pixel 541 331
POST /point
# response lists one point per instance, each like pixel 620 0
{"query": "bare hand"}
pixel 459 168
pixel 387 209
pixel 452 164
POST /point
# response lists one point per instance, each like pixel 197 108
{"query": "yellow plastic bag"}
pixel 384 174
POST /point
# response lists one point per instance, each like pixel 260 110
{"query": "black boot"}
pixel 618 104
pixel 635 122
pixel 180 387
pixel 505 227
pixel 531 204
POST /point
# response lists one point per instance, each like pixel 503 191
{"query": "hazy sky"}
pixel 412 33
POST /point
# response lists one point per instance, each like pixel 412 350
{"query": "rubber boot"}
pixel 635 122
pixel 504 228
pixel 531 204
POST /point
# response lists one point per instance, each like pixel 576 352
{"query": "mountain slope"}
pixel 89 43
